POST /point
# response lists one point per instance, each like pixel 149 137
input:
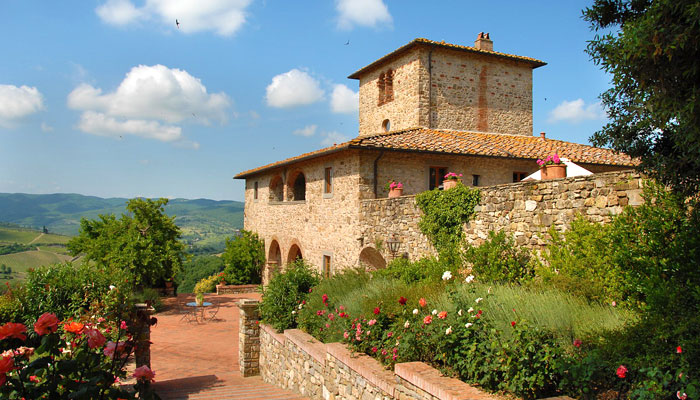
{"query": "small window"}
pixel 437 175
pixel 385 84
pixel 386 125
pixel 255 190
pixel 475 180
pixel 299 188
pixel 326 266
pixel 328 180
pixel 519 176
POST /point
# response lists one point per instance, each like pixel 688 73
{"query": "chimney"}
pixel 483 42
pixel 542 135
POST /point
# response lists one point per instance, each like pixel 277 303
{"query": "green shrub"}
pixel 149 296
pixel 444 214
pixel 68 291
pixel 425 269
pixel 285 292
pixel 498 259
pixel 244 259
pixel 207 285
pixel 582 261
pixel 196 269
pixel 11 308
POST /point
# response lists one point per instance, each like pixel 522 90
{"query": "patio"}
pixel 200 360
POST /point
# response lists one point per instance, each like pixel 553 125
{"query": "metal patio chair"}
pixel 216 304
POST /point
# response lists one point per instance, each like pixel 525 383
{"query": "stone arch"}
pixel 274 261
pixel 276 188
pixel 372 259
pixel 294 254
pixel 296 187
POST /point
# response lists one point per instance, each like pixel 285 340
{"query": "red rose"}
pixel 376 311
pixel 428 319
pixel 621 372
pixel 6 365
pixel 577 342
pixel 402 301
pixel 47 323
pixel 512 323
pixel 13 330
pixel 422 302
pixel 442 314
pixel 679 350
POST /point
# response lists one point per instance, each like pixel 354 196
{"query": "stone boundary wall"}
pixel 236 289
pixel 294 360
pixel 526 210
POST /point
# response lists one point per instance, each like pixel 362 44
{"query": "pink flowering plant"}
pixel 451 176
pixel 550 160
pixel 66 359
pixel 392 184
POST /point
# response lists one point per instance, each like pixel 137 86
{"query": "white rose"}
pixel 434 312
pixel 469 279
pixel 448 331
pixel 468 324
pixel 415 311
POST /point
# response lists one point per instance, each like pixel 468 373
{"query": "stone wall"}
pixel 321 225
pixel 296 361
pixel 236 289
pixel 526 210
pixel 464 91
pixel 403 111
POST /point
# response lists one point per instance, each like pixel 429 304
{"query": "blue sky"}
pixel 111 98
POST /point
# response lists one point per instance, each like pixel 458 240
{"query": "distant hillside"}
pixel 205 223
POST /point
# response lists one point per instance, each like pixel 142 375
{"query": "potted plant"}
pixel 451 180
pixel 199 299
pixel 395 188
pixel 552 167
pixel 169 283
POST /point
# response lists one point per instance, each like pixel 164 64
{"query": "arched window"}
pixel 276 189
pixel 294 254
pixel 298 192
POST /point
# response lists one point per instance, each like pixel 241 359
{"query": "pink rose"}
pixel 621 372
pixel 144 373
pixel 371 322
pixel 95 338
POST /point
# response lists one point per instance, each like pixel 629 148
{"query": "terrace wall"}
pixel 525 210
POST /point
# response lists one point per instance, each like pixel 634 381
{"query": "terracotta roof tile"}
pixel 535 62
pixel 466 143
pixel 491 144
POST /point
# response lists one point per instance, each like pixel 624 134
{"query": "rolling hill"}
pixel 205 223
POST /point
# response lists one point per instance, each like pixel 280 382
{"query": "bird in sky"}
pixel 177 23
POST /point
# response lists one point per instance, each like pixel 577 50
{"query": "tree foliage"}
pixel 244 259
pixel 144 242
pixel 653 55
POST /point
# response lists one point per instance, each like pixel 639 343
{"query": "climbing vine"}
pixel 444 214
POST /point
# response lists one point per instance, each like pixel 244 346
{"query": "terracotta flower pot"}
pixel 168 284
pixel 554 171
pixel 396 192
pixel 449 184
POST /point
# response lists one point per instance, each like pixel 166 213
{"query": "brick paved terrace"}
pixel 200 360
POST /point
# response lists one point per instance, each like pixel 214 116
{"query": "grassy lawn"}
pixel 51 238
pixel 14 235
pixel 20 262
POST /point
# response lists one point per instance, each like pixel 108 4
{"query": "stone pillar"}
pixel 142 335
pixel 249 337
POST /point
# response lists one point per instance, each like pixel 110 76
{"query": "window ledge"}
pixel 290 202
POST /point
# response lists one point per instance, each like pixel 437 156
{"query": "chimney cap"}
pixel 483 42
pixel 542 135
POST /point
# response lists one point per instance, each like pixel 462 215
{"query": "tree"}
pixel 654 104
pixel 144 242
pixel 244 259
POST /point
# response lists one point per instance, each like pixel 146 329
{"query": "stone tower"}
pixel 437 85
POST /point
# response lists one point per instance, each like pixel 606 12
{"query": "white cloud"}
pixel 293 88
pixel 46 127
pixel 331 138
pixel 223 17
pixel 147 103
pixel 119 12
pixel 362 12
pixel 306 131
pixel 344 100
pixel 576 111
pixel 17 103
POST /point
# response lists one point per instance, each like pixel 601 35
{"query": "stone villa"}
pixel 425 109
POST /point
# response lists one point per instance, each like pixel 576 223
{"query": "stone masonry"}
pixel 249 337
pixel 438 87
pixel 525 210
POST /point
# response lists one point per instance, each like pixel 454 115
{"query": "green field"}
pixel 17 235
pixel 21 262
pixel 50 249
